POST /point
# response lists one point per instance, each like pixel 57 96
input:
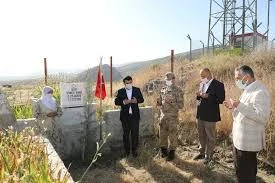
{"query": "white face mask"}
pixel 240 84
pixel 204 80
pixel 128 86
pixel 49 94
pixel 168 82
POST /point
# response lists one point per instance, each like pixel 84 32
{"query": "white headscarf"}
pixel 47 98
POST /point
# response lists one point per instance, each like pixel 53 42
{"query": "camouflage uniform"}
pixel 171 98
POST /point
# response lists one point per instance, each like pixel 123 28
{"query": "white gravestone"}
pixel 72 95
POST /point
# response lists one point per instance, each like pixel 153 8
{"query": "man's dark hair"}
pixel 246 70
pixel 206 70
pixel 127 78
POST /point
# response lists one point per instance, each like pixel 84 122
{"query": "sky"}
pixel 74 34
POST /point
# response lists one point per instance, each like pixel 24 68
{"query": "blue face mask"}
pixel 240 84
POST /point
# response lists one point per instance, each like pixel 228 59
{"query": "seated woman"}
pixel 46 114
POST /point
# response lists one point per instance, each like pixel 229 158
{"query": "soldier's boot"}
pixel 171 155
pixel 164 152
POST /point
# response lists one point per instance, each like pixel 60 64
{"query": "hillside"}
pixel 137 66
pixel 91 74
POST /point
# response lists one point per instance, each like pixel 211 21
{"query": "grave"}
pixel 7 117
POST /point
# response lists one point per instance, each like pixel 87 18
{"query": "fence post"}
pixel 45 71
pixel 190 54
pixel 172 60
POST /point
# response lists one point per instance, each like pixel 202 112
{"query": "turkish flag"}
pixel 100 91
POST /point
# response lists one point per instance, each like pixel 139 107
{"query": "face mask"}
pixel 128 86
pixel 204 80
pixel 240 84
pixel 168 82
pixel 49 95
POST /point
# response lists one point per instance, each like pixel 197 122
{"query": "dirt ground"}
pixel 150 167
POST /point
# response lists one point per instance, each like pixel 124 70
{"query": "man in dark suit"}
pixel 128 98
pixel 211 93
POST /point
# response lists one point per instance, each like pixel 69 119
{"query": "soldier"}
pixel 169 102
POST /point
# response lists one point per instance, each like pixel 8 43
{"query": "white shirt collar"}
pixel 250 85
pixel 209 82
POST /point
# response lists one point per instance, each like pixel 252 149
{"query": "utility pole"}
pixel 213 43
pixel 202 47
pixel 268 18
pixel 243 27
pixel 190 54
pixel 209 26
pixel 224 24
pixel 227 19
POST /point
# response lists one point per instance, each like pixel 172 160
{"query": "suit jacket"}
pixel 124 112
pixel 209 109
pixel 250 118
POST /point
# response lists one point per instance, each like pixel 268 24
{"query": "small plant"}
pixel 23 111
pixel 95 157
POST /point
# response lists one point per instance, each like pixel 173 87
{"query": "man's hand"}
pixel 204 95
pixel 134 100
pixel 52 114
pixel 234 103
pixel 198 94
pixel 126 101
pixel 231 103
pixel 227 104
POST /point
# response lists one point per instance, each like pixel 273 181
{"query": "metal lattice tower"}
pixel 227 15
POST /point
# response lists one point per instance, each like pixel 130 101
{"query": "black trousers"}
pixel 245 165
pixel 130 126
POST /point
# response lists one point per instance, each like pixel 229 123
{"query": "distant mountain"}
pixel 91 74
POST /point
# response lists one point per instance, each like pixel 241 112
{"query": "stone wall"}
pixel 58 169
pixel 21 124
pixel 112 124
pixel 81 131
pixel 78 131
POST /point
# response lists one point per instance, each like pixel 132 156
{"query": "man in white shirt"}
pixel 250 113
pixel 128 99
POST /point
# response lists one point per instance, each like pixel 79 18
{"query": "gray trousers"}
pixel 207 137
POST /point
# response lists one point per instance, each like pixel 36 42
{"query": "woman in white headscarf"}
pixel 47 112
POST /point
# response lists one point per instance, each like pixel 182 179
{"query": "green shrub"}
pixel 23 111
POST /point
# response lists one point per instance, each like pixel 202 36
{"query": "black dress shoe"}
pixel 171 155
pixel 164 152
pixel 200 156
pixel 125 154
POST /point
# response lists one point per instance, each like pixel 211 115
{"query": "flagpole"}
pixel 100 110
